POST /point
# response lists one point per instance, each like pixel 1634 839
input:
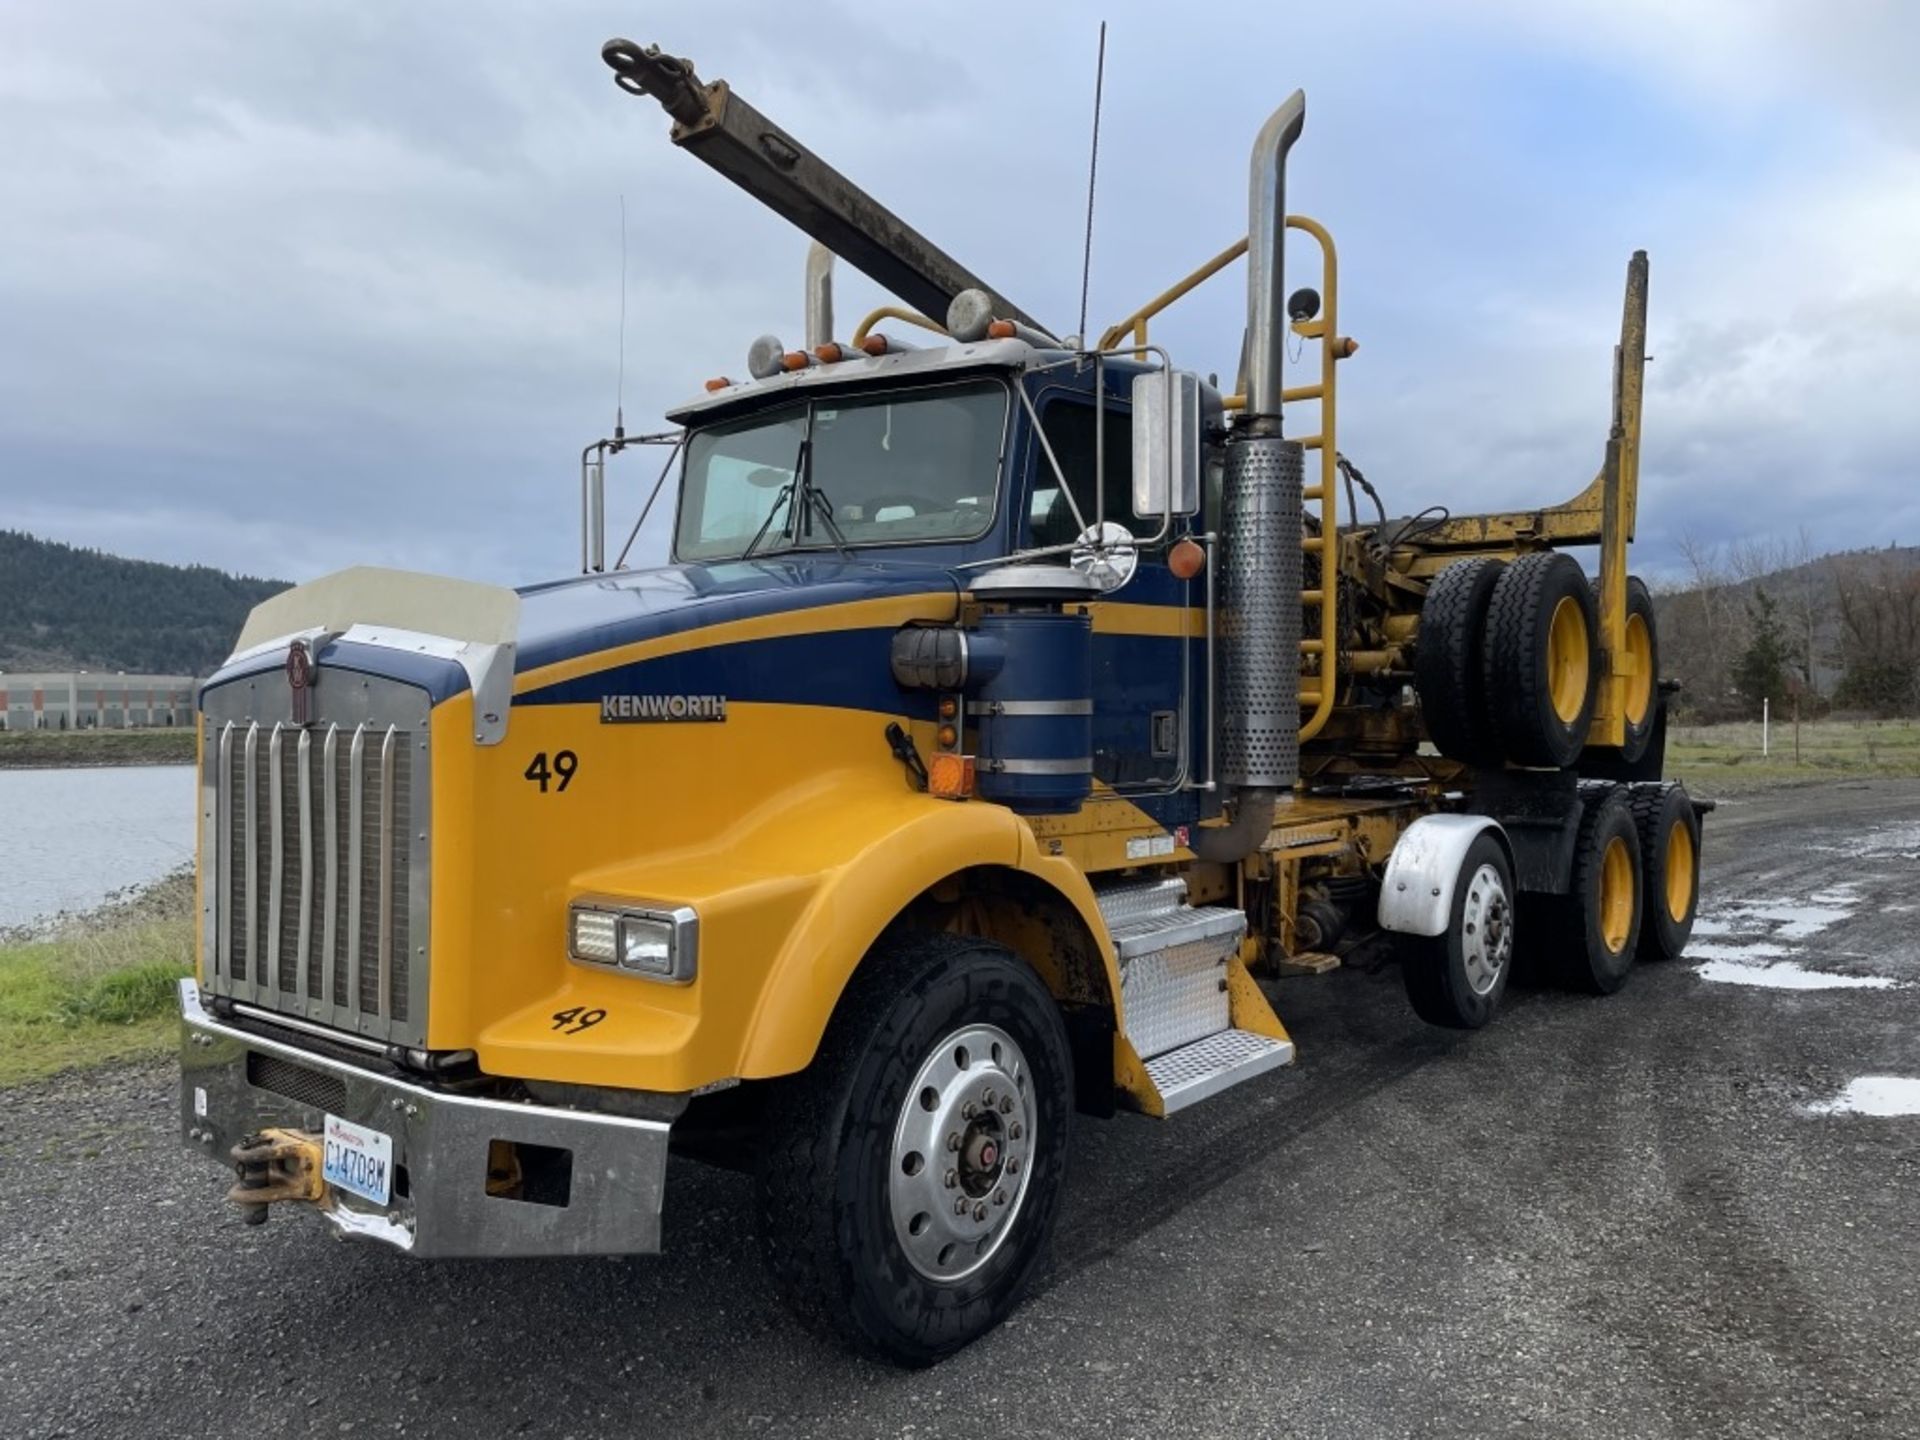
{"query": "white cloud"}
pixel 305 286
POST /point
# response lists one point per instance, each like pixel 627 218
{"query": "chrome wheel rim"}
pixel 962 1152
pixel 1486 930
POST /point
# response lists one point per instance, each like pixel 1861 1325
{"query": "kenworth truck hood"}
pixel 569 618
pixel 386 623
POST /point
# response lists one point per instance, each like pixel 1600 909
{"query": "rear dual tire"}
pixel 1669 831
pixel 1455 979
pixel 1591 932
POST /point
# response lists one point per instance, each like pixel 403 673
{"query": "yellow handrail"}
pixel 1327 326
pixel 894 312
pixel 1324 328
pixel 1137 321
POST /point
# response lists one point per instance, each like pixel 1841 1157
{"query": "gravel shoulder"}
pixel 1597 1218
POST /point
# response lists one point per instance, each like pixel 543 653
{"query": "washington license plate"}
pixel 358 1160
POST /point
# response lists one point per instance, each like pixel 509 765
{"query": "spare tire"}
pixel 1541 660
pixel 1448 670
pixel 1642 694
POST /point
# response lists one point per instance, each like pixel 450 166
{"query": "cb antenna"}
pixel 1093 170
pixel 620 387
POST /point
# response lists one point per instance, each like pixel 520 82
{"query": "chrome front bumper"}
pixel 616 1167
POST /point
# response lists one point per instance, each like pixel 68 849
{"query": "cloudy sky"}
pixel 288 286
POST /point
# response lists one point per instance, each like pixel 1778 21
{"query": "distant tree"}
pixel 63 607
pixel 1880 640
pixel 1760 673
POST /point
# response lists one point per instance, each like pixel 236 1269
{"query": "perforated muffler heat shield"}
pixel 1259 629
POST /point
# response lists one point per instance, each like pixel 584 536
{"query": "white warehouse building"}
pixel 94 700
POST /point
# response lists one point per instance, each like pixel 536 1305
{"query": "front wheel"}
pixel 909 1178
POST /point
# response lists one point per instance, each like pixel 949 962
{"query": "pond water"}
pixel 70 838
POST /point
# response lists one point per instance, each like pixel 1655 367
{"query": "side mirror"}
pixel 1167 436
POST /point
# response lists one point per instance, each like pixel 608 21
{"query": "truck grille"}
pixel 315 841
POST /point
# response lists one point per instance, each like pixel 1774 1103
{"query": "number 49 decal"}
pixel 573 1021
pixel 565 762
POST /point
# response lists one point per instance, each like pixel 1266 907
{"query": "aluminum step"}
pixel 1139 899
pixel 1170 929
pixel 1204 1068
pixel 1173 975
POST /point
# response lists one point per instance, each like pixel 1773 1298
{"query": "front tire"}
pixel 877 1227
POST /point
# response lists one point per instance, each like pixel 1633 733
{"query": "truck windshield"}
pixel 913 465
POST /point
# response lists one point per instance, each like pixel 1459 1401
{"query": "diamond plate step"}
pixel 1137 900
pixel 1173 975
pixel 1172 928
pixel 1206 1067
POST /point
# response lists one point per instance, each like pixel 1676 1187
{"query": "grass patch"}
pixel 93 994
pixel 34 749
pixel 1727 757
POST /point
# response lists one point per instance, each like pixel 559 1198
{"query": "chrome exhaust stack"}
pixel 1261 557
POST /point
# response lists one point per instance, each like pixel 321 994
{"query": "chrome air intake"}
pixel 1260 614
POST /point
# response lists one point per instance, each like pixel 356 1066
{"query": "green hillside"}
pixel 63 608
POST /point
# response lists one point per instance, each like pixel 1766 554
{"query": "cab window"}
pixel 1069 426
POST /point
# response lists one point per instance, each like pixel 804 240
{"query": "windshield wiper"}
pixel 786 491
pixel 814 502
pixel 801 509
pixel 784 496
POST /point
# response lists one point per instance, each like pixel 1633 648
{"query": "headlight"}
pixel 658 941
pixel 595 936
pixel 646 944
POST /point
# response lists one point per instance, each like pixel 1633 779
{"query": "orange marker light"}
pixel 1186 559
pixel 948 736
pixel 950 776
pixel 874 344
pixel 830 352
pixel 719 382
pixel 795 360
pixel 949 707
pixel 1000 330
pixel 1344 346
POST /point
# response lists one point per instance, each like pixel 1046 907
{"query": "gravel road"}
pixel 1623 1217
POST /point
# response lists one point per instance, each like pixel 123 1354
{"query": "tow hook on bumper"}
pixel 473 1175
pixel 275 1165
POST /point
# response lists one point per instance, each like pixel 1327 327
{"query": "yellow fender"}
pixel 859 897
pixel 810 880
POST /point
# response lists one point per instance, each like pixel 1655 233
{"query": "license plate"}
pixel 358 1160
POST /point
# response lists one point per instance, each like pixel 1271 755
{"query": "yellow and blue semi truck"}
pixel 1011 711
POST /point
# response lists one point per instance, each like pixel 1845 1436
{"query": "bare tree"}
pixel 1880 623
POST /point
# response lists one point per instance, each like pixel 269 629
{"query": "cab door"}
pixel 1142 655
